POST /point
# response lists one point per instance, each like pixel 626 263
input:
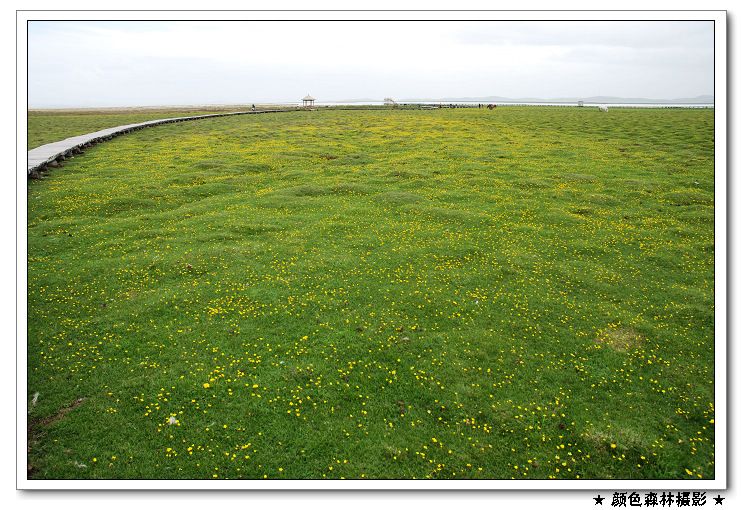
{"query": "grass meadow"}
pixel 525 293
pixel 46 126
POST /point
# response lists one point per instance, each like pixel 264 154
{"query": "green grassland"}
pixel 46 126
pixel 522 293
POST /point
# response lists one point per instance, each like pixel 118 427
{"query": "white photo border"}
pixel 721 246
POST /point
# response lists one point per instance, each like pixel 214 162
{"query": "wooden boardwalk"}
pixel 51 154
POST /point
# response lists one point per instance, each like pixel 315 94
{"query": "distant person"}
pixel 252 107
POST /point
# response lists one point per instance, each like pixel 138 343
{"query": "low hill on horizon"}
pixel 706 98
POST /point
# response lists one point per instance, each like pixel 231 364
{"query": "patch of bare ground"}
pixel 620 339
pixel 34 430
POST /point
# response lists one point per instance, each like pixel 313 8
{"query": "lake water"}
pixel 504 103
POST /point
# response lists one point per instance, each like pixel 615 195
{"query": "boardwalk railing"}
pixel 52 154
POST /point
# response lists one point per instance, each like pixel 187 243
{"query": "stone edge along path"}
pixel 52 154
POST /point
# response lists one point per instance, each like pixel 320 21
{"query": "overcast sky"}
pixel 176 63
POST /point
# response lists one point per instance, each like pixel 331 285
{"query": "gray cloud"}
pixel 641 35
pixel 151 63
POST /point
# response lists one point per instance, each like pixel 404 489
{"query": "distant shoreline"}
pixel 330 104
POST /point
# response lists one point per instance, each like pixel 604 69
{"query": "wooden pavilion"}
pixel 308 101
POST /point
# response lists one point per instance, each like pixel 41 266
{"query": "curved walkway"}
pixel 51 154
